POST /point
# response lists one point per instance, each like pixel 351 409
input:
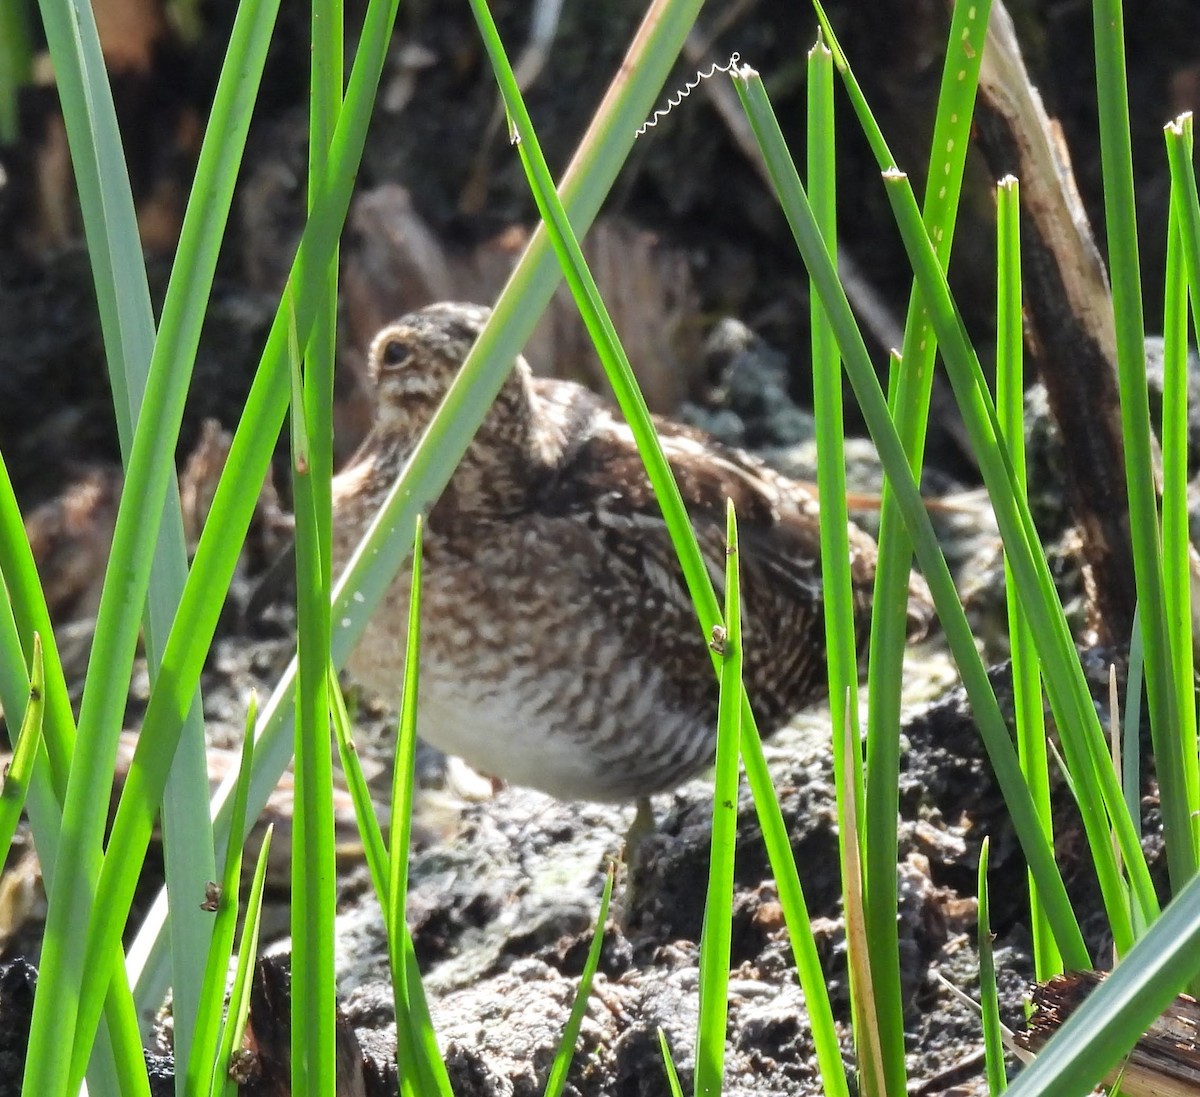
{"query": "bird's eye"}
pixel 394 353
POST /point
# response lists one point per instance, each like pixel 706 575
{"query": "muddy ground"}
pixel 504 890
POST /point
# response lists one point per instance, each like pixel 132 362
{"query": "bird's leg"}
pixel 641 827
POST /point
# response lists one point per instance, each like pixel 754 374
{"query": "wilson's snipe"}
pixel 560 649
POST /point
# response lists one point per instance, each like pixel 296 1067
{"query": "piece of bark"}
pixel 1165 1062
pixel 1070 332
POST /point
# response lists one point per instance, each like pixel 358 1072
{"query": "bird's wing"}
pixel 778 523
pixel 600 483
pixel 600 475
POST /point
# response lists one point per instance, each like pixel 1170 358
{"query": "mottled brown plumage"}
pixel 560 649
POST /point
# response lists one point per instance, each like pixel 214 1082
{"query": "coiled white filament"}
pixel 678 97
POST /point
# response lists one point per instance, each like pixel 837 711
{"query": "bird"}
pixel 559 646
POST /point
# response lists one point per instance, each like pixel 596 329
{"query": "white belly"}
pixel 534 693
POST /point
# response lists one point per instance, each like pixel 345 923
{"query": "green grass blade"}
pixel 406 748
pixel 989 1001
pixel 418 1036
pixel 204 1062
pixel 562 1059
pixel 875 411
pixel 1027 683
pixel 1131 781
pixel 97 160
pixel 434 1079
pixel 325 106
pixel 603 334
pixel 1176 542
pixel 841 645
pixel 1183 251
pixel 840 639
pixel 14 786
pixel 715 938
pixel 1185 204
pixel 28 616
pixel 795 911
pixel 313 1000
pixel 401 832
pixel 313 870
pixel 841 649
pixel 298 420
pixel 858 101
pixel 374 848
pixel 1116 757
pixel 428 1057
pixel 239 995
pixel 1125 276
pixel 669 1063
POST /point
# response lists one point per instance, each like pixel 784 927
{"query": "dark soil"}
pixel 504 892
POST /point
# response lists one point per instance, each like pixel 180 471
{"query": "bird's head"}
pixel 413 361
